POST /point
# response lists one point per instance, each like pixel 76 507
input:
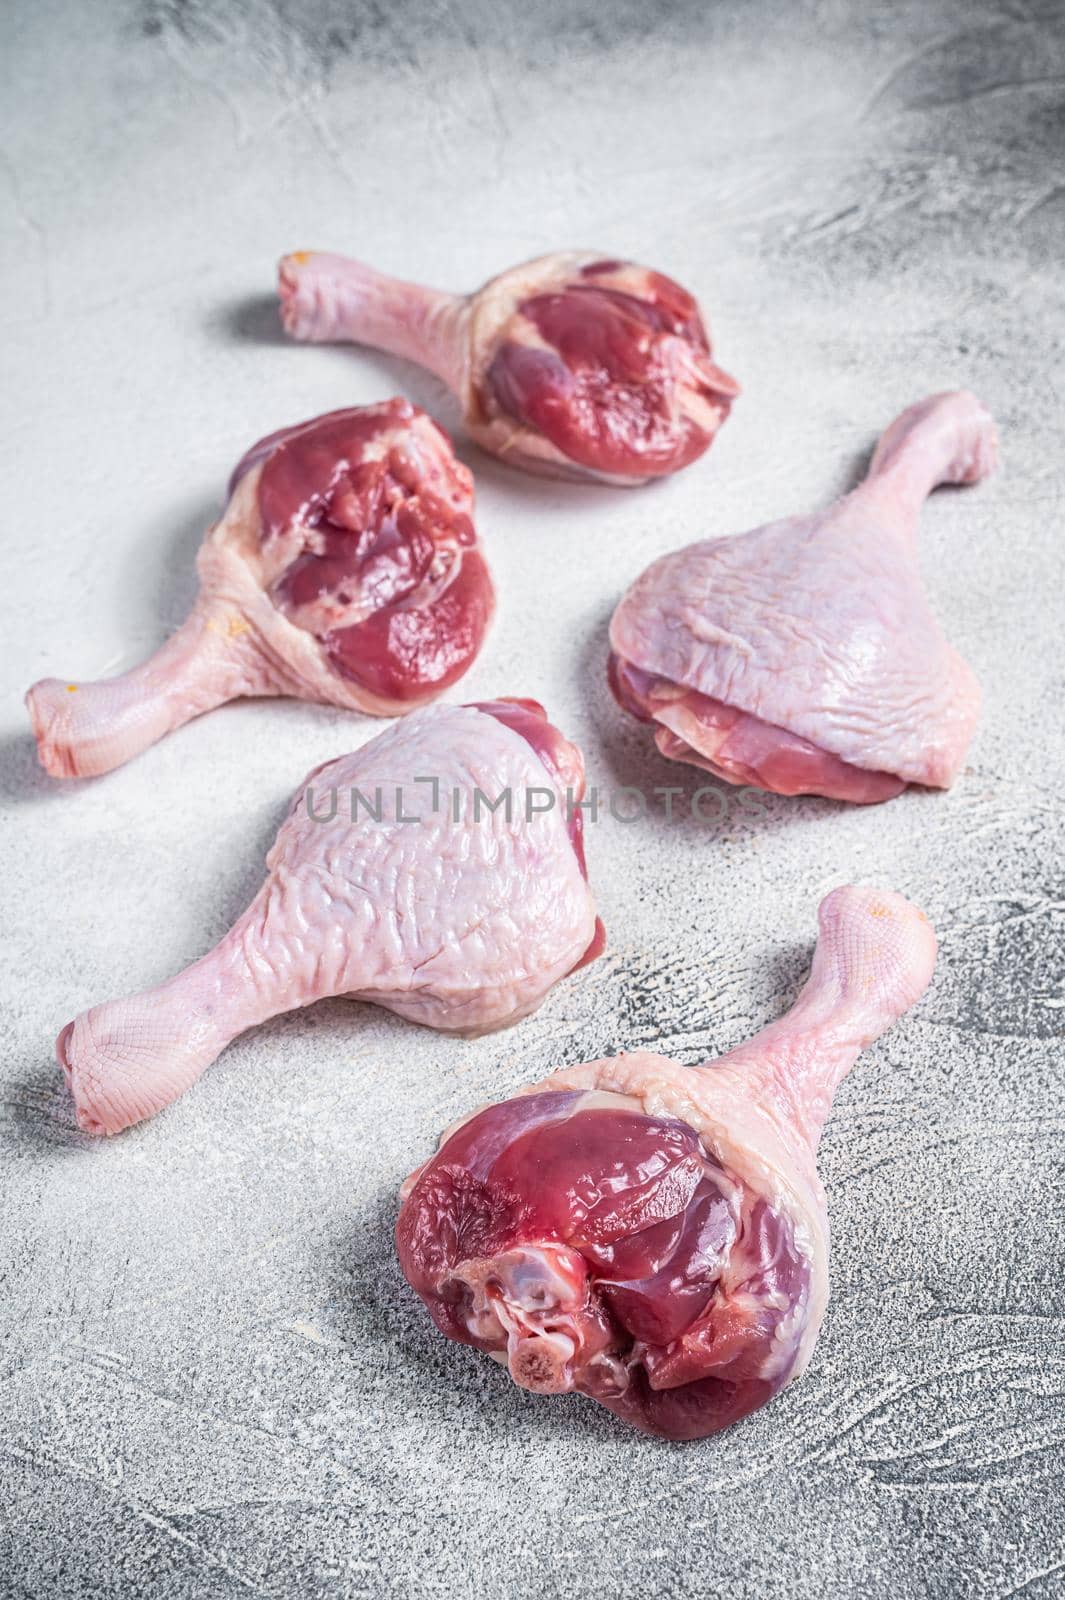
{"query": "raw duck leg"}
pixel 345 569
pixel 653 1235
pixel 803 657
pixel 569 365
pixel 392 880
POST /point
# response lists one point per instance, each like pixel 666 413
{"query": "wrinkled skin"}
pixel 803 657
pixel 382 888
pixel 569 365
pixel 653 1235
pixel 345 569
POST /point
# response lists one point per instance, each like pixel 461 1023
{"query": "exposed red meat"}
pixel 653 1235
pixel 570 364
pixel 345 569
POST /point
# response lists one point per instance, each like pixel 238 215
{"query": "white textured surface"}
pixel 212 1379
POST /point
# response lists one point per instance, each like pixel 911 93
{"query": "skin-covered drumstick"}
pixel 803 657
pixel 438 871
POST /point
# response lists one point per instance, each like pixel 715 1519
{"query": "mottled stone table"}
pixel 212 1378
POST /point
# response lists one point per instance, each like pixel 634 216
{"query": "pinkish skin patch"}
pixel 630 1212
pixel 741 748
pixel 605 390
pixel 376 535
pixel 563 762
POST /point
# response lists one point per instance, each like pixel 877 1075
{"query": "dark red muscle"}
pixel 615 1232
pixel 386 539
pixel 608 374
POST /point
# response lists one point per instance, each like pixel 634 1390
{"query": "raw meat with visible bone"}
pixel 345 569
pixel 803 657
pixel 654 1235
pixel 569 365
pixel 416 895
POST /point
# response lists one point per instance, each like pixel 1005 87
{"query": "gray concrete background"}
pixel 212 1378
